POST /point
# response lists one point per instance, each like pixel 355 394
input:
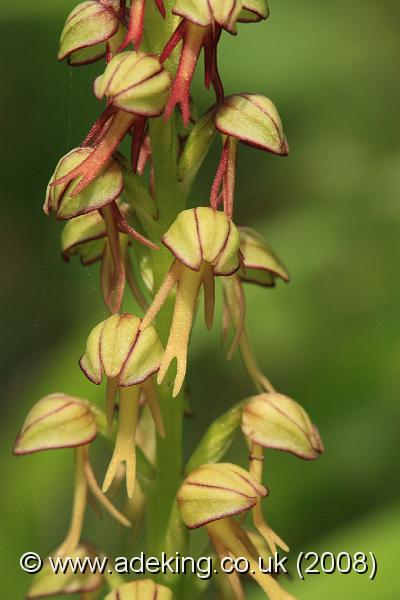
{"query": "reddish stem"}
pixel 136 22
pixel 137 141
pixel 193 40
pixel 124 227
pixel 93 164
pixel 97 130
pixel 225 177
pixel 116 292
pixel 211 74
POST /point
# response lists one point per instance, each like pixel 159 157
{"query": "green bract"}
pixel 261 265
pixel 144 589
pixel 56 421
pixel 253 120
pixel 88 27
pixel 102 191
pixel 204 235
pixel 135 82
pixel 118 349
pixel 216 491
pixel 276 421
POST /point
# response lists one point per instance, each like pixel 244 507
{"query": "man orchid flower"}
pixel 205 244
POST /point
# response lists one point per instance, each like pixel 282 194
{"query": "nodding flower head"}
pixel 63 198
pixel 275 421
pixel 127 355
pixel 211 496
pixel 143 589
pixel 253 120
pixel 56 421
pixel 136 87
pixel 260 263
pixel 278 422
pixel 217 491
pixel 92 30
pixel 64 421
pixel 205 244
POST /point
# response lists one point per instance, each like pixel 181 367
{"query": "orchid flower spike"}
pixel 275 421
pixel 142 589
pixel 118 349
pixel 136 87
pixel 136 22
pixel 205 244
pixel 253 120
pixel 260 265
pixel 92 30
pixel 87 237
pixel 63 421
pixel 212 496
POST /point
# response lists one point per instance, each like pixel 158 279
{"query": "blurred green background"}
pixel 329 339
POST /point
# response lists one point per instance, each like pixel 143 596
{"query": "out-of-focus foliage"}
pixel 328 339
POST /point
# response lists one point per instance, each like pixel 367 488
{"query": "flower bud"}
pixel 253 120
pixel 118 349
pixel 144 589
pixel 48 583
pixel 101 191
pixel 56 421
pixel 204 235
pixel 276 421
pixel 86 30
pixel 216 491
pixel 260 263
pixel 135 82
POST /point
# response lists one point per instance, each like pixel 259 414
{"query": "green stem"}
pixel 170 199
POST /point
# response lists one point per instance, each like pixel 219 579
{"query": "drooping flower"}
pixel 253 120
pixel 63 421
pixel 200 28
pixel 92 30
pixel 100 197
pixel 142 589
pixel 205 244
pixel 260 265
pixel 118 349
pixel 50 583
pixel 136 86
pixel 275 421
pixel 212 496
pixel 86 236
pixel 136 22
